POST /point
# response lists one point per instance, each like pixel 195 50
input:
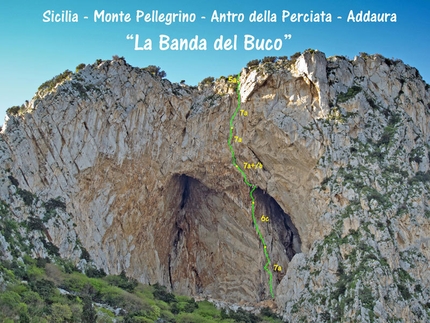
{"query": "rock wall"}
pixel 145 171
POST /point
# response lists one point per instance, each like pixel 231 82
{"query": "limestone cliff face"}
pixel 145 173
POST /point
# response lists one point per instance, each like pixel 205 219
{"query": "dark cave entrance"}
pixel 185 187
pixel 280 226
pixel 280 222
pixel 213 240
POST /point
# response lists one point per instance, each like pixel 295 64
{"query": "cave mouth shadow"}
pixel 281 224
pixel 201 237
pixel 282 227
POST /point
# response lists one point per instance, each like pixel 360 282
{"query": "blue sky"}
pixel 34 51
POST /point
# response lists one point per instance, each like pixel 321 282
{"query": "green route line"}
pixel 252 186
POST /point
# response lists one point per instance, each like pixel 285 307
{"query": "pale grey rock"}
pixel 145 172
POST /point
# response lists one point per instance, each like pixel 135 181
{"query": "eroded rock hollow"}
pixel 146 172
pixel 146 175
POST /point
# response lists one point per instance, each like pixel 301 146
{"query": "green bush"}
pixel 191 318
pixel 34 223
pixel 373 194
pixel 35 303
pixel 155 71
pixel 13 180
pixel 13 111
pixel 167 316
pixel 51 206
pixel 52 249
pixel 88 311
pixel 387 135
pixel 45 288
pixel 67 266
pixel 111 295
pixel 105 316
pixel 152 313
pixel 191 306
pixel 81 89
pixel 75 282
pixel 366 298
pixel 253 63
pixel 41 262
pixel 174 308
pixel 352 92
pixel 295 56
pixel 131 303
pixel 40 300
pixel 208 310
pixel 241 316
pixel 122 281
pixel 95 273
pixel 10 304
pixel 27 196
pixel 60 313
pixel 266 311
pixel 85 254
pixel 8 228
pixel 404 291
pixel 310 50
pixel 118 58
pixel 269 59
pixel 161 293
pixel 34 272
pixel 419 177
pixel 208 80
pixel 52 83
pixel 416 155
pixel 80 67
pixel 138 319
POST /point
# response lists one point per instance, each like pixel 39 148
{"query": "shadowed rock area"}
pixel 143 174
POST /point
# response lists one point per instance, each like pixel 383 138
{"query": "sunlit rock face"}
pixel 146 174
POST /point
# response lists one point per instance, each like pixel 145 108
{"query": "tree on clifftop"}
pixel 155 71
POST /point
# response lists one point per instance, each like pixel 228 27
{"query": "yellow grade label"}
pixel 243 113
pixel 264 218
pixel 232 79
pixel 237 139
pixel 252 165
pixel 276 267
